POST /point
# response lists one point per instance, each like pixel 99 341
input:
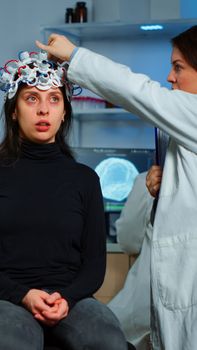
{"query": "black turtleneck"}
pixel 52 231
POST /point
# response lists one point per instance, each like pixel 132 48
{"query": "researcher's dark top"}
pixel 52 230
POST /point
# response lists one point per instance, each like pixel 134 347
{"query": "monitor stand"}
pixel 110 219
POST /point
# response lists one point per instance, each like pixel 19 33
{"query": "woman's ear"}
pixel 14 116
pixel 63 117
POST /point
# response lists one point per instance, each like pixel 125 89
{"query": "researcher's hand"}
pixel 153 180
pixel 47 308
pixel 59 48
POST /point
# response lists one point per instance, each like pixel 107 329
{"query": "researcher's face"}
pixel 182 76
pixel 39 113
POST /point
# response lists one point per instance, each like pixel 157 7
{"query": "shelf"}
pixel 104 114
pixel 115 30
pixel 101 111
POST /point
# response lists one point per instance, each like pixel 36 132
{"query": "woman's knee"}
pixel 93 324
pixel 18 328
pixel 108 334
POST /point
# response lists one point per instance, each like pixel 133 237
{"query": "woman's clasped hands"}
pixel 47 308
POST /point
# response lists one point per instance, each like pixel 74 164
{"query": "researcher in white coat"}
pixel 174 243
pixel 134 233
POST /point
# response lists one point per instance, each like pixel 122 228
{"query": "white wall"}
pixel 20 22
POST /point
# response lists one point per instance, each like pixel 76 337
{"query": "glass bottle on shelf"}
pixel 69 15
pixel 81 14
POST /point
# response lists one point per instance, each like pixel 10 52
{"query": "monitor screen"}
pixel 117 169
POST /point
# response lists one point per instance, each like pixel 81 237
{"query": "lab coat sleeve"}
pixel 132 224
pixel 173 111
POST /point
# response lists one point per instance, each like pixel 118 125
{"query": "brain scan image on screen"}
pixel 116 177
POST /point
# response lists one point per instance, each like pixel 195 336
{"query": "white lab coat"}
pixel 174 244
pixel 134 232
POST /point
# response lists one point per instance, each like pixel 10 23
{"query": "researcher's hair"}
pixel 10 146
pixel 186 42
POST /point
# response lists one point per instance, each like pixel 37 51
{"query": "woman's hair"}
pixel 186 42
pixel 11 144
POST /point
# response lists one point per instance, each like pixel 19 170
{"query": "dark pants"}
pixel 89 325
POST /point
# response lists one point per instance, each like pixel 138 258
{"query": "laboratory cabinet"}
pixel 145 52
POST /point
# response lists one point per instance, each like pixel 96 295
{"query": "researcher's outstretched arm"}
pixel 58 47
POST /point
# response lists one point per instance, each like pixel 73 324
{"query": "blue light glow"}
pixel 151 27
pixel 117 176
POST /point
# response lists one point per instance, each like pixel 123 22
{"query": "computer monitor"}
pixel 117 169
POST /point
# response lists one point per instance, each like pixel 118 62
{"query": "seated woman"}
pixel 52 230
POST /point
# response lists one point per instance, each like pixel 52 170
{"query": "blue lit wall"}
pixel 188 9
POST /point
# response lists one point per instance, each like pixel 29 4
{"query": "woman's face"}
pixel 182 76
pixel 39 113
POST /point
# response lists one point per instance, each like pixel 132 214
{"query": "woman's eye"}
pixel 31 98
pixel 54 98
